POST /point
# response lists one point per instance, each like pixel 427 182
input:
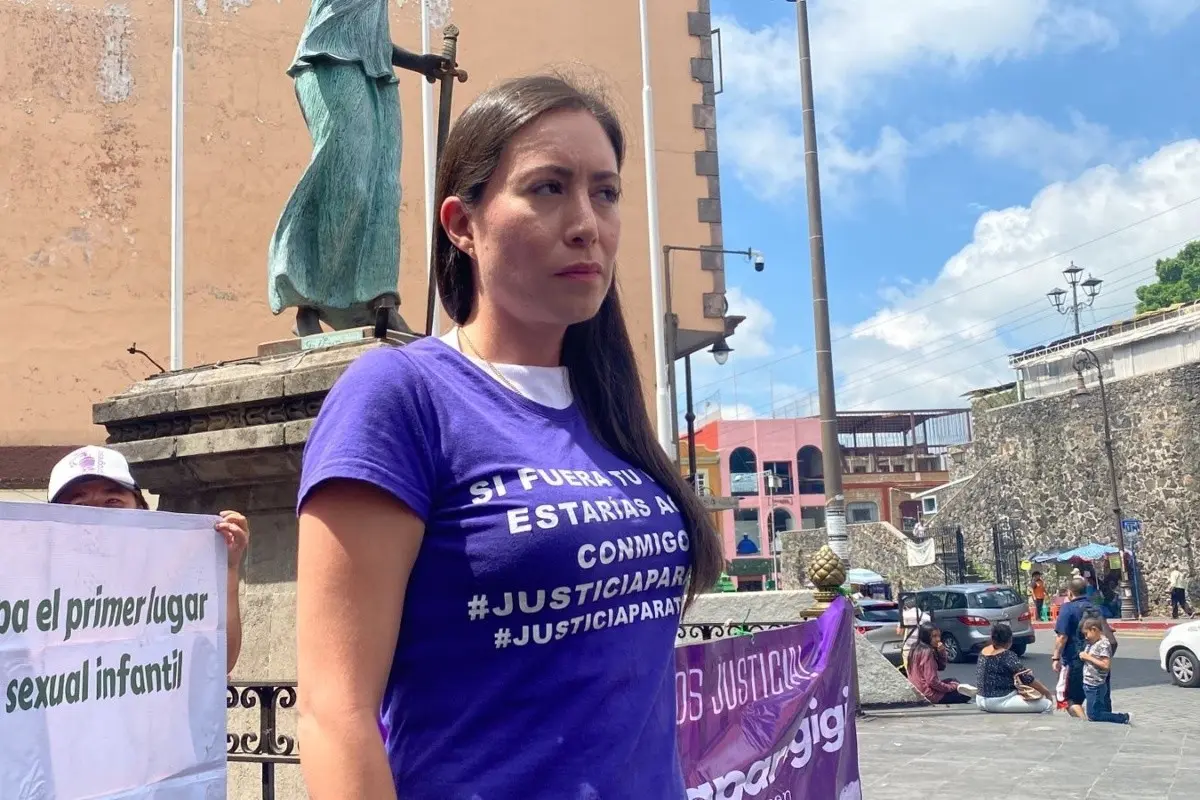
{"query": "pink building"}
pixel 773 469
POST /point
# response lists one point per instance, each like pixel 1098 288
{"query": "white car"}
pixel 1179 654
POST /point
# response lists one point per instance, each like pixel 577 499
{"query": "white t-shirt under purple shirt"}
pixel 536 650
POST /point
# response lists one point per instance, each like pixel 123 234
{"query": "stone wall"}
pixel 720 608
pixel 880 685
pixel 875 546
pixel 1042 464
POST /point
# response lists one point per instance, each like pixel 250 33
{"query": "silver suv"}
pixel 966 612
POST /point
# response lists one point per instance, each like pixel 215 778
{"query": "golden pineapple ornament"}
pixel 827 573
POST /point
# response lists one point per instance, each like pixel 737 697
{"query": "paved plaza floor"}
pixel 965 753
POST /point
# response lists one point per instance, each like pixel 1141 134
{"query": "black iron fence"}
pixel 1006 551
pixel 693 632
pixel 268 748
pixel 952 553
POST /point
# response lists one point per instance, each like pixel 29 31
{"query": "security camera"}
pixel 759 262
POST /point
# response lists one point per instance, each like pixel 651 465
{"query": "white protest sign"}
pixel 112 654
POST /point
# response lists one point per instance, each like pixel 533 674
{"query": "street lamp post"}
pixel 1084 359
pixel 1091 288
pixel 671 328
pixel 720 353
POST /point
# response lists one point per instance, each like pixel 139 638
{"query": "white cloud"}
pixel 1163 15
pixel 1034 144
pixel 716 389
pixel 930 343
pixel 857 46
pixel 755 336
pixel 855 41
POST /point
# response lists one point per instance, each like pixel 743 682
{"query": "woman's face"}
pixel 544 236
pixel 98 493
pixel 936 637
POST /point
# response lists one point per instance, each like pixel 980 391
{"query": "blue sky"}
pixel 970 149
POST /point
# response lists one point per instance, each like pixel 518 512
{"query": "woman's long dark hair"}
pixel 925 634
pixel 597 353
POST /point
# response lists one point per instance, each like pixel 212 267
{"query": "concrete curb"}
pixel 1121 625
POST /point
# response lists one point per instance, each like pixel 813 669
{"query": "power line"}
pixel 952 373
pixel 972 288
pixel 873 373
pixel 1033 317
pixel 984 362
pixel 870 376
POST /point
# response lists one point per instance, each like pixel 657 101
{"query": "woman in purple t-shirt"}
pixel 494 551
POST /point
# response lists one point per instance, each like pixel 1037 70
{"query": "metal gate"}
pixel 1006 552
pixel 952 553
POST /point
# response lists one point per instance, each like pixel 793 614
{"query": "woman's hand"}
pixel 235 528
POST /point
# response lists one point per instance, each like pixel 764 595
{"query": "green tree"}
pixel 1178 281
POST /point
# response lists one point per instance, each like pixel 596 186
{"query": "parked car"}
pixel 965 614
pixel 877 620
pixel 1178 654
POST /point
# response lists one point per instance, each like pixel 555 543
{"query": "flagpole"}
pixel 662 390
pixel 429 141
pixel 177 191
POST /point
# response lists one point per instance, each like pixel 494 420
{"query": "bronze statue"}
pixel 335 253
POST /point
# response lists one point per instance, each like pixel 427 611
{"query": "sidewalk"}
pixel 938 754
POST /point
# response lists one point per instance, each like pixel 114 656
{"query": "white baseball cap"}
pixel 89 462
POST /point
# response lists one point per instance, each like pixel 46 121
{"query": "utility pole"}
pixel 831 456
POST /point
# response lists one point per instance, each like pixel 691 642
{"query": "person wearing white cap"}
pixel 100 477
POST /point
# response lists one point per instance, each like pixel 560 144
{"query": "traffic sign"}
pixel 1133 526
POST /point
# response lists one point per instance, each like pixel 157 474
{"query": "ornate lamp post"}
pixel 1086 359
pixel 1091 288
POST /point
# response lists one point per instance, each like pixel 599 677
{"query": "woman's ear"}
pixel 456 221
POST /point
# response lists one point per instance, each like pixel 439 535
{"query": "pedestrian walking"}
pixel 1038 590
pixel 469 505
pixel 100 477
pixel 1179 580
pixel 1097 670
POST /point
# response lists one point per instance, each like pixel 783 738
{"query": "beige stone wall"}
pixel 85 91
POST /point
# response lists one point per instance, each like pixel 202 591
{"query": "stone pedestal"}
pixel 231 436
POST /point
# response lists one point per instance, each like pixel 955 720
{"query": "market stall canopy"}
pixel 1088 552
pixel 861 577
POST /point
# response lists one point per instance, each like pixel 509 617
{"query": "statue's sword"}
pixel 445 102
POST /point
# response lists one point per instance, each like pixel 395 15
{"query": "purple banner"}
pixel 770 716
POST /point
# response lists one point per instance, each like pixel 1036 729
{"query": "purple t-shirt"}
pixel 536 652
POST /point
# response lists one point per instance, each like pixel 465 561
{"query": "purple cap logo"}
pixel 87 462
